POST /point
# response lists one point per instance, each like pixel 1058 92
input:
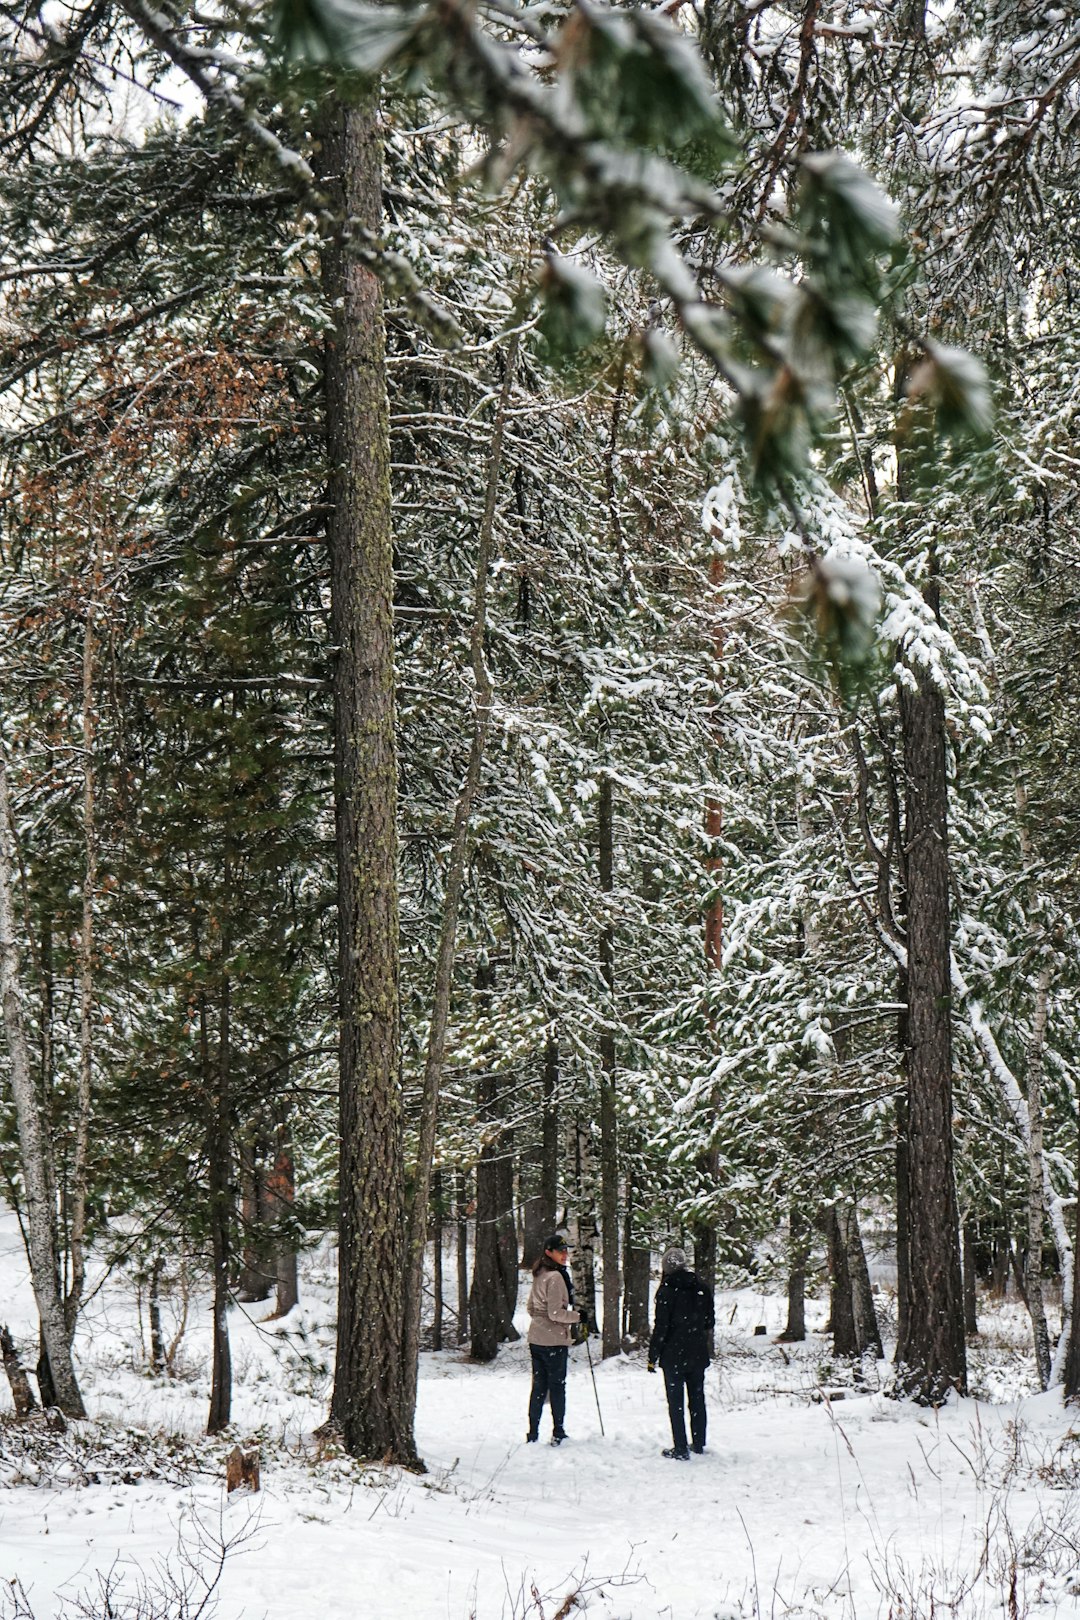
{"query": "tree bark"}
pixel 903 1217
pixel 455 875
pixel 40 1206
pixel 609 1129
pixel 541 1171
pixel 77 1197
pixel 21 1394
pixel 867 1332
pixel 370 1401
pixel 493 1294
pixel 636 1279
pixel 461 1255
pixel 1071 1367
pixel 1033 1288
pixel 153 1311
pixel 282 1188
pixel 798 1253
pixel 255 1278
pixel 971 1318
pixel 930 1357
pixel 583 1259
pixel 841 1308
pixel 437 1263
pixel 219 1154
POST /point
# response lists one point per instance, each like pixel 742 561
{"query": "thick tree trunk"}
pixel 370 1401
pixel 798 1253
pixel 40 1205
pixel 930 1357
pixel 609 1137
pixel 1033 1288
pixel 487 1296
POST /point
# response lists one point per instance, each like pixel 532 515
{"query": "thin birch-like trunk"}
pixel 435 1059
pixel 40 1206
pixel 78 1189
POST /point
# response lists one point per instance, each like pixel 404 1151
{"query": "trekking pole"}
pixel 592 1372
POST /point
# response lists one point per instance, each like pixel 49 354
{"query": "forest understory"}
pixel 817 1495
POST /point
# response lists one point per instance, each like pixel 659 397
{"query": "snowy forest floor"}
pixel 802 1506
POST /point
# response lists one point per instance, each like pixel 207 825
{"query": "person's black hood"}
pixel 683 1279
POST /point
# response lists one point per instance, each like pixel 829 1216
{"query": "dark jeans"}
pixel 686 1383
pixel 548 1383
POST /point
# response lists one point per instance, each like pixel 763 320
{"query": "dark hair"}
pixel 545 1263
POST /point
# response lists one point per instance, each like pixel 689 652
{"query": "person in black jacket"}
pixel 682 1343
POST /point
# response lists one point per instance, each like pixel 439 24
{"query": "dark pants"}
pixel 686 1383
pixel 548 1383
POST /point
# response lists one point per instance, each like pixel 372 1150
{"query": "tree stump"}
pixel 241 1471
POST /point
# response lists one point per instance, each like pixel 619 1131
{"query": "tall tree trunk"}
pixel 219 1155
pixel 461 1255
pixel 455 875
pixel 1071 1364
pixel 798 1253
pixel 33 1154
pixel 549 1160
pixel 930 1357
pixel 636 1278
pixel 609 1137
pixel 254 1280
pixel 77 1194
pixel 583 1260
pixel 1033 1288
pixel 370 1401
pixel 282 1188
pixel 153 1311
pixel 841 1308
pixel 971 1317
pixel 867 1332
pixel 903 1218
pixel 494 1281
pixel 437 1262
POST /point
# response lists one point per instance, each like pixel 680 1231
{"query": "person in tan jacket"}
pixel 551 1316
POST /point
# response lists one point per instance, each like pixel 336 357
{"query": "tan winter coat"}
pixel 549 1308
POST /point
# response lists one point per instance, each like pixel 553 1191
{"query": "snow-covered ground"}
pixel 852 1507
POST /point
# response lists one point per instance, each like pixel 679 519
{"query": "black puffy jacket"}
pixel 684 1320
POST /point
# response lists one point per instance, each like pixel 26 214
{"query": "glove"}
pixel 583 1317
pixel 652 1366
pixel 580 1331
